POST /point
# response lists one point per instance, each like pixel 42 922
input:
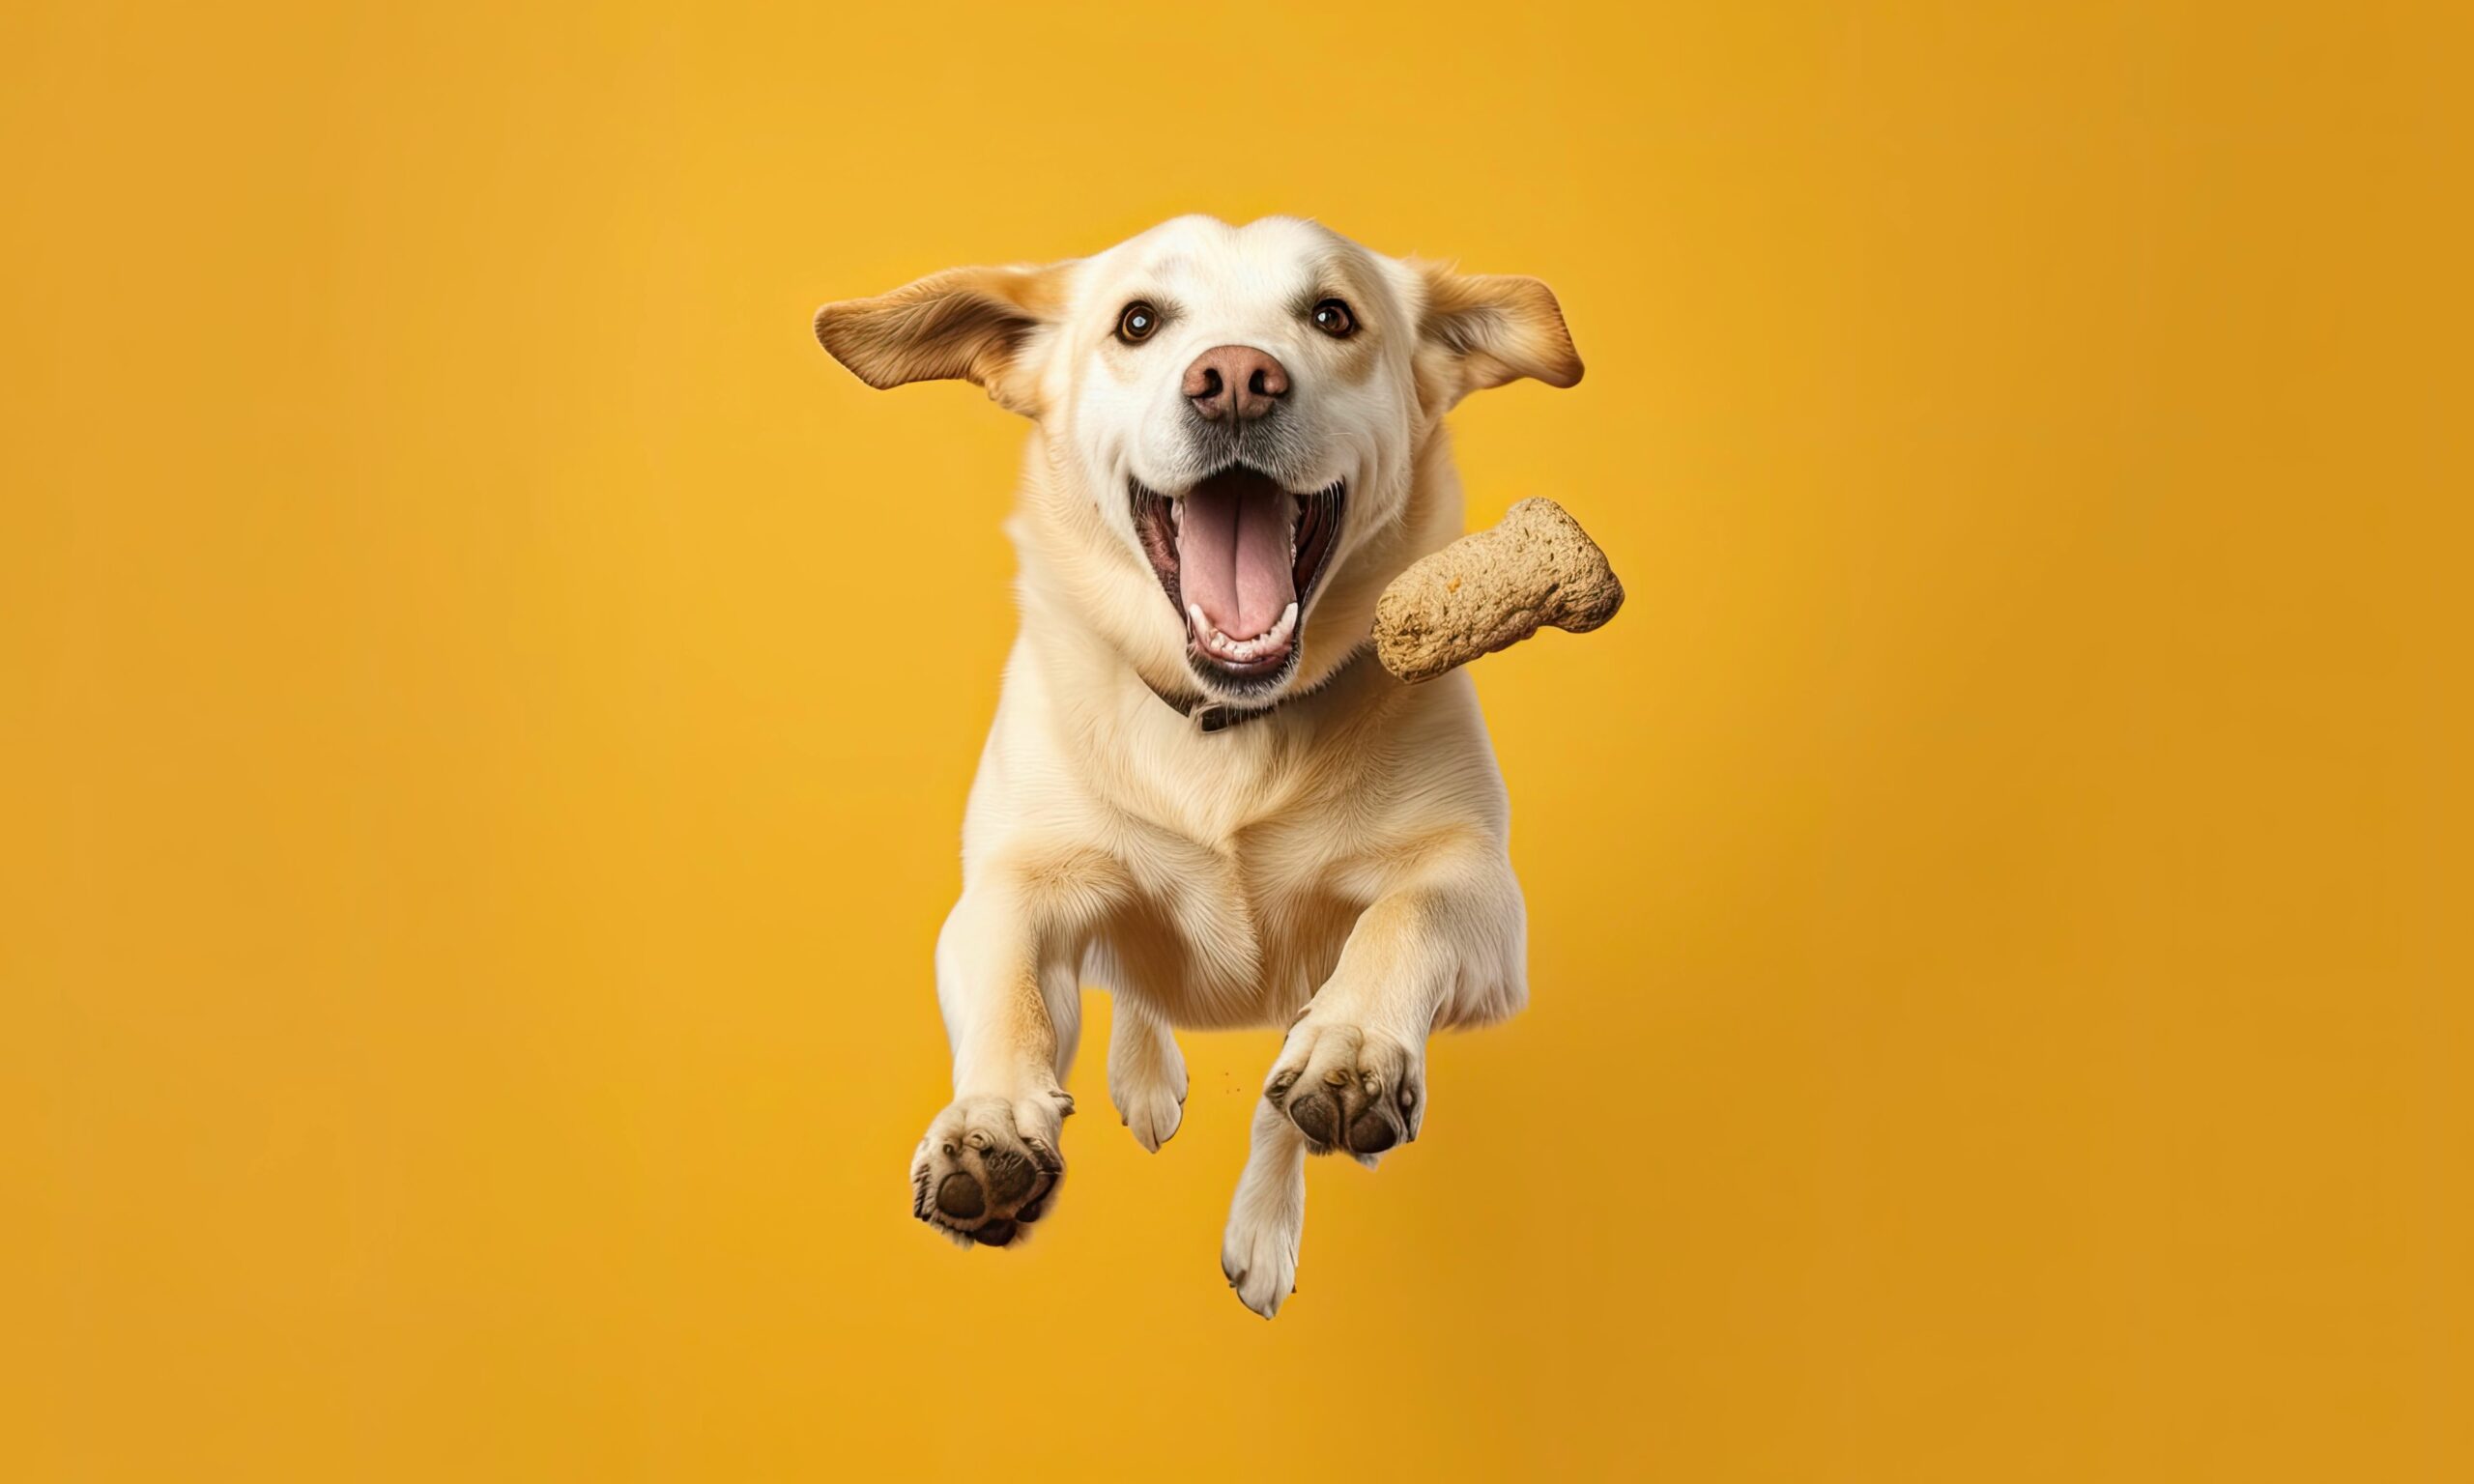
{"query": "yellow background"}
pixel 488 706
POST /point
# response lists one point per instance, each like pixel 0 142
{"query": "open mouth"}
pixel 1238 556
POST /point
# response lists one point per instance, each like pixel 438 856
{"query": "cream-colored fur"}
pixel 1336 865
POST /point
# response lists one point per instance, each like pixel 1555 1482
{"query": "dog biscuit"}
pixel 1492 589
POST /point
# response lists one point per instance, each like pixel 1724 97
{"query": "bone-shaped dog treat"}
pixel 1536 569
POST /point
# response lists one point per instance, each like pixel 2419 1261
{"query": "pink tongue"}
pixel 1232 552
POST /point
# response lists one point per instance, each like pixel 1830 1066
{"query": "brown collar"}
pixel 1210 715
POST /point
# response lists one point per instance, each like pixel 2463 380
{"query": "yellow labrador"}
pixel 1200 792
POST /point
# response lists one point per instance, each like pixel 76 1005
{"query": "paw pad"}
pixel 981 1176
pixel 1347 1088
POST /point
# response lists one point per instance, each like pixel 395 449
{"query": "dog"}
pixel 1199 791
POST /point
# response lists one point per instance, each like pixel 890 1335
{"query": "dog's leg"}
pixel 1259 1250
pixel 1146 1073
pixel 1006 977
pixel 1443 944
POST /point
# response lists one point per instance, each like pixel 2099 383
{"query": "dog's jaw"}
pixel 1240 577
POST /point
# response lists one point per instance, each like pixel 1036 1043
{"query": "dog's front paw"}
pixel 1349 1087
pixel 989 1166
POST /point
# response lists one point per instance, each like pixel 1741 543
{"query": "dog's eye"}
pixel 1332 318
pixel 1136 325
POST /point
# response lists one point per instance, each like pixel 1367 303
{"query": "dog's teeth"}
pixel 1213 638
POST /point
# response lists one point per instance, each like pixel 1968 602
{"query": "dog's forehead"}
pixel 1203 256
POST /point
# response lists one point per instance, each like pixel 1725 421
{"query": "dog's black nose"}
pixel 1235 381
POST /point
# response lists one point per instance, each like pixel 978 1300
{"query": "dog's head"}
pixel 1243 407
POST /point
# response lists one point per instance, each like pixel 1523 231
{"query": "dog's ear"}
pixel 1478 330
pixel 966 324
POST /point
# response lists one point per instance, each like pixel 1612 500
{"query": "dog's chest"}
pixel 1238 926
pixel 1233 939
